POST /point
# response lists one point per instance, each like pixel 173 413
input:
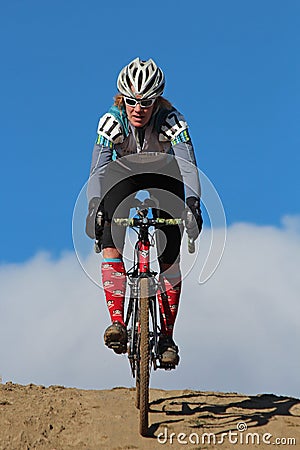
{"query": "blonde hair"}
pixel 160 102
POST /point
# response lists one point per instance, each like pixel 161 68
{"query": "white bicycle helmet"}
pixel 141 79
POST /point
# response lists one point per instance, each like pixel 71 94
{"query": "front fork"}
pixel 132 320
pixel 154 333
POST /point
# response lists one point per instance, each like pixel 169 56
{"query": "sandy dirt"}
pixel 58 418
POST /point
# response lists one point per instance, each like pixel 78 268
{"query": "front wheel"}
pixel 144 374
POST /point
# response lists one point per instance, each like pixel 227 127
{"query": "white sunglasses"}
pixel 146 103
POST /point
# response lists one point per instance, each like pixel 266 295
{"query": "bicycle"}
pixel 141 315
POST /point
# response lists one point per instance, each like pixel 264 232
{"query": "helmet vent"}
pixel 150 84
pixel 140 81
pixel 128 81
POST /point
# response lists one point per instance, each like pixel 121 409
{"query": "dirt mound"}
pixel 58 418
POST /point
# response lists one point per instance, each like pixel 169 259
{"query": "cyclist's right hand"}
pixel 91 217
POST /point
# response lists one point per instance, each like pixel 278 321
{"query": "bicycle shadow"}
pixel 195 411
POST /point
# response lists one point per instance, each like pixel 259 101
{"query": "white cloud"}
pixel 237 332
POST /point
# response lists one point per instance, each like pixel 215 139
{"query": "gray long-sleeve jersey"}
pixel 166 133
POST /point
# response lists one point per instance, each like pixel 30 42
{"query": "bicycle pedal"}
pixel 117 347
pixel 167 366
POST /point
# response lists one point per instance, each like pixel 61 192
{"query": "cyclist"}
pixel 140 132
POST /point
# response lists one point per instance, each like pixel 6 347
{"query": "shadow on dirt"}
pixel 254 411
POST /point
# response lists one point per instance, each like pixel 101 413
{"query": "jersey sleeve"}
pixel 185 157
pixel 175 130
pixel 109 133
pixel 101 157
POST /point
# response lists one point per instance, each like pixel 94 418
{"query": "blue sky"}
pixel 232 69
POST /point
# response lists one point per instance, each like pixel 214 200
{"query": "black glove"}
pixel 193 217
pixel 91 217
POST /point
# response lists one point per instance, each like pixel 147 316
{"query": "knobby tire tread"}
pixel 144 356
pixel 137 367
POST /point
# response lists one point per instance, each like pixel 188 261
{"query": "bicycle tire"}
pixel 144 356
pixel 138 373
pixel 137 361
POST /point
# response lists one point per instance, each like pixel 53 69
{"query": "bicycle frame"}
pixel 142 327
pixel 140 270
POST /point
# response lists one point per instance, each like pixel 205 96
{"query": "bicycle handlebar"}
pixel 147 222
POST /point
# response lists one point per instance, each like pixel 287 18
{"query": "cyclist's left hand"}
pixel 193 217
pixel 91 217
